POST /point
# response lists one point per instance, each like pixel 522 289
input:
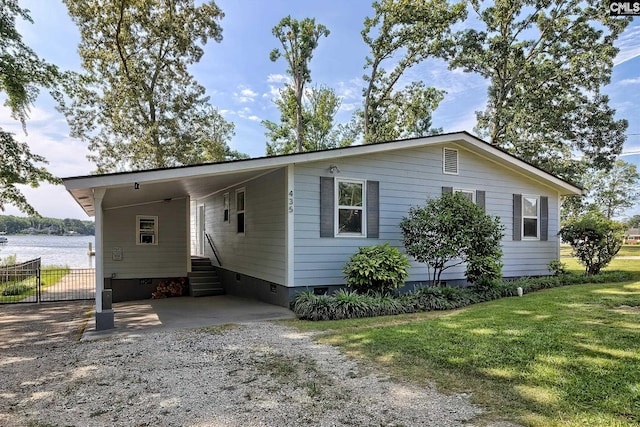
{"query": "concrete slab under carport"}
pixel 137 317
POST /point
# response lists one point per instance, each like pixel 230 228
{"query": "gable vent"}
pixel 450 161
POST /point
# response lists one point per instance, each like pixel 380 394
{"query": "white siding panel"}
pixel 408 178
pixel 260 251
pixel 166 259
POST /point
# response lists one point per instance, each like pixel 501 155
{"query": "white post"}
pixel 289 227
pixel 104 317
pixel 98 195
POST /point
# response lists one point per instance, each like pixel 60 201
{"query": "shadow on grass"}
pixel 556 357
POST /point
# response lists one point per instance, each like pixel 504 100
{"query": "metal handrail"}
pixel 213 248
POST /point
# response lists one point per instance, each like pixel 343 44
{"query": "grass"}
pixel 627 250
pixel 560 357
pixel 51 275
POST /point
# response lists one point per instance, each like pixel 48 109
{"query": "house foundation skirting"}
pixel 133 289
pixel 244 286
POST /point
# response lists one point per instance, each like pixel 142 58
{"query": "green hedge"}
pixel 345 304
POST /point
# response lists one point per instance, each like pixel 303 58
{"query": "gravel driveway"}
pixel 252 374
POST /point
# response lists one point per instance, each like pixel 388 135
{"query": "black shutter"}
pixel 327 200
pixel 480 199
pixel 447 190
pixel 517 217
pixel 373 211
pixel 544 218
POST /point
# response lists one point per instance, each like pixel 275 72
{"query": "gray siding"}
pixel 166 259
pixel 260 251
pixel 408 178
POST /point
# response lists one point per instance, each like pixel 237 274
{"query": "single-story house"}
pixel 632 236
pixel 288 223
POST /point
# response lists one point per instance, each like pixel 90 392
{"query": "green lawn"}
pixel 627 250
pixel 561 357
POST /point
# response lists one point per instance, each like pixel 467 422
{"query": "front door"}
pixel 201 231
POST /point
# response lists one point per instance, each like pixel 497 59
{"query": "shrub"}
pixel 309 306
pixel 376 269
pixel 594 238
pixel 15 289
pixel 347 304
pixel 8 260
pixel 451 230
pixel 557 267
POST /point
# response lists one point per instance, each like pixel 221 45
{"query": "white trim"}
pixel 523 216
pixel 337 207
pixel 243 211
pixel 465 190
pixel 289 279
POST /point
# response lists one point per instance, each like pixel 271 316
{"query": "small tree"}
pixel 594 238
pixel 380 268
pixel 452 230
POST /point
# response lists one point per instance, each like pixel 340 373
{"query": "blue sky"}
pixel 242 81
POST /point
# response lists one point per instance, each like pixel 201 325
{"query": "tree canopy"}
pixel 616 190
pixel 320 105
pixel 401 34
pixel 136 104
pixel 546 63
pixel 298 40
pixel 22 74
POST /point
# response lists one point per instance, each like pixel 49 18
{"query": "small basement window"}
pixel 146 230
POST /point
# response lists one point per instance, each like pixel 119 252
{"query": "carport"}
pixel 114 199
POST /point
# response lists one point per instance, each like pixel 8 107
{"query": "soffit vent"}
pixel 450 161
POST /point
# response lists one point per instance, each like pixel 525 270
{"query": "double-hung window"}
pixel 146 230
pixel 469 194
pixel 350 207
pixel 530 217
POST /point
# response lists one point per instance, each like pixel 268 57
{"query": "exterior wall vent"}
pixel 450 161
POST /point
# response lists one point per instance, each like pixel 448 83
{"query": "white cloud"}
pixel 350 90
pixel 629 45
pixel 278 78
pixel 254 118
pixel 245 94
pixel 348 106
pixel 630 81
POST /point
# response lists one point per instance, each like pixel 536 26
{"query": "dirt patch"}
pixel 252 374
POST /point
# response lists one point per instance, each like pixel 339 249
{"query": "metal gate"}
pixel 28 282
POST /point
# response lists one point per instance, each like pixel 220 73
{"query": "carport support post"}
pixel 104 318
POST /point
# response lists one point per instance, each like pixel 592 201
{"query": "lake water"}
pixel 54 250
